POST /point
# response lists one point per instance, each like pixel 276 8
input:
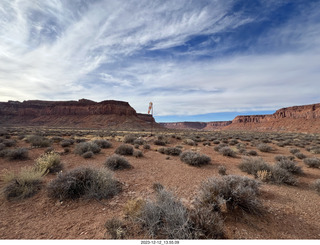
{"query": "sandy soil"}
pixel 293 212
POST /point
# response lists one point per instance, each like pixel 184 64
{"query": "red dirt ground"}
pixel 293 212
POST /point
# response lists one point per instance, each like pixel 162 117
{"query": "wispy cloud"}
pixel 188 57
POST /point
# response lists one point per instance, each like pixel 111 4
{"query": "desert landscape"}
pixel 225 183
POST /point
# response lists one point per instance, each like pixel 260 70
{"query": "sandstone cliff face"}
pixel 304 118
pixel 196 125
pixel 82 113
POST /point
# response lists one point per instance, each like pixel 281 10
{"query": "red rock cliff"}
pixel 82 113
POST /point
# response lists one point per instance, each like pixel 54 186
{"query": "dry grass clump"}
pixel 117 162
pixel 104 144
pixel 312 162
pixel 125 150
pixel 236 192
pixel 22 185
pixel 84 147
pixel 194 158
pixel 48 163
pixel 227 151
pixel 84 182
pixel 264 147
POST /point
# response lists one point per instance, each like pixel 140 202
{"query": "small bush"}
pixel 172 151
pixel 18 154
pixel 39 141
pixel 312 162
pixel 104 144
pixel 237 192
pixel 86 146
pixel 2 146
pixel 294 150
pixel 138 142
pixel 116 162
pixel 146 147
pixel 9 142
pixel 48 163
pixel 115 228
pixel 252 153
pixel 228 152
pixel 189 142
pixel 252 165
pixel 129 139
pixel 125 150
pixel 84 182
pixel 22 185
pixel 300 155
pixel 88 154
pixel 66 143
pixel 290 166
pixel 316 185
pixel 137 153
pixel 282 176
pixel 222 170
pixel 280 158
pixel 264 148
pixel 194 158
pixel 159 142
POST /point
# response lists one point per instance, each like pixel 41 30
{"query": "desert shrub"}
pixel 222 170
pixel 206 224
pixel 104 144
pixel 39 141
pixel 137 153
pixel 312 162
pixel 294 150
pixel 264 147
pixel 189 142
pixel 172 151
pixel 194 158
pixel 86 146
pixel 88 154
pixel 18 154
pixel 233 142
pixel 146 147
pixel 159 142
pixel 136 146
pixel 316 185
pixel 22 185
pixel 282 176
pixel 129 139
pixel 9 142
pixel 236 192
pixel 66 142
pixel 49 149
pixel 280 158
pixel 4 152
pixel 84 182
pixel 48 163
pixel 2 146
pixel 216 142
pixel 138 141
pixel 252 153
pixel 166 217
pixel 116 228
pixel 252 165
pixel 228 152
pixel 124 150
pixel 290 166
pixel 116 162
pixel 300 155
pixel 133 208
pixel 315 150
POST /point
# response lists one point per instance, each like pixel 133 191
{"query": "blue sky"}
pixel 195 60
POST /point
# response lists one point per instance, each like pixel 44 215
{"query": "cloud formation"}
pixel 188 57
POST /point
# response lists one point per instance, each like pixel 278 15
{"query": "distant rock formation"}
pixel 304 118
pixel 81 114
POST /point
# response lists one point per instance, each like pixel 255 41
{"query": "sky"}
pixel 201 60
